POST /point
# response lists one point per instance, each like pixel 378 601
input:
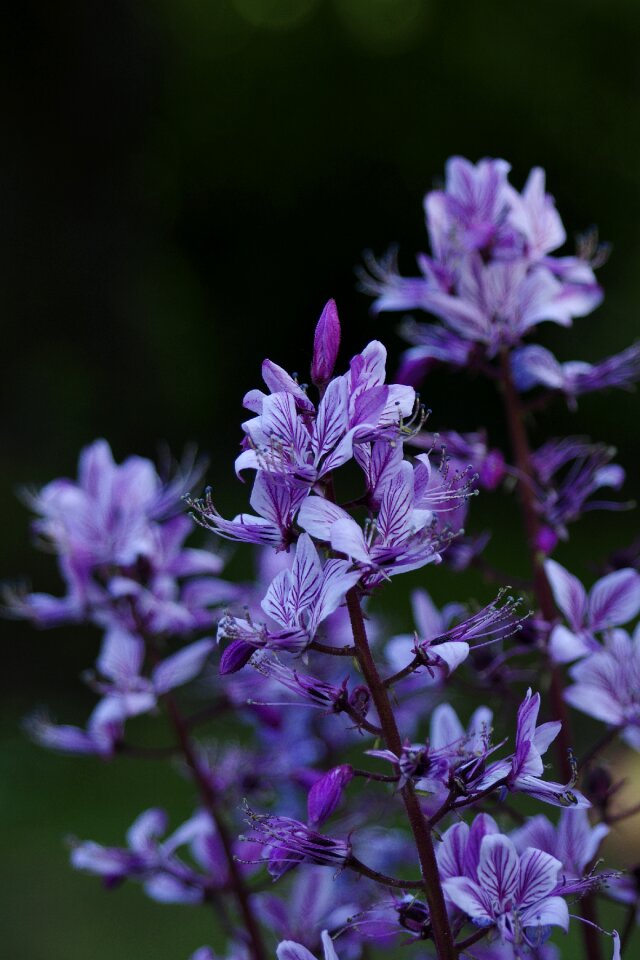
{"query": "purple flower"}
pixel 315 900
pixel 288 842
pixel 105 516
pixel 326 343
pixel 297 601
pixel 326 793
pixel 567 473
pixel 121 661
pixel 516 894
pixel 612 601
pixel 534 365
pixel 401 538
pixel 606 684
pixel 490 277
pixel 573 841
pixel 276 499
pixel 523 771
pixel 105 730
pixel 288 950
pixel 156 864
pixel 292 439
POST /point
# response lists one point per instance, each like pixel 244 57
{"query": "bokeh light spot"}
pixel 384 26
pixel 275 14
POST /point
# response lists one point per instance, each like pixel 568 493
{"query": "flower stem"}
pixel 442 935
pixel 209 801
pixel 515 417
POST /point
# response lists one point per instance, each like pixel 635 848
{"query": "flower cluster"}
pixel 316 683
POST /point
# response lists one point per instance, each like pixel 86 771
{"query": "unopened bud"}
pixel 326 342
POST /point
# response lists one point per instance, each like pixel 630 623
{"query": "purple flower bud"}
pixel 326 793
pixel 326 342
pixel 546 540
pixel 235 657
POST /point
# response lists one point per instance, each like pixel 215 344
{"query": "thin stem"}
pixel 405 672
pixel 332 651
pixel 442 935
pixel 209 801
pixel 629 927
pixel 354 864
pixel 380 777
pixel 624 814
pixel 515 417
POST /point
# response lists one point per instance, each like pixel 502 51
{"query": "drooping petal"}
pixel 181 667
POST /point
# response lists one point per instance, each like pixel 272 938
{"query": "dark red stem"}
pixel 442 935
pixel 515 416
pixel 209 801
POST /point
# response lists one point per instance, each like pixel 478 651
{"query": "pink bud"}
pixel 547 540
pixel 326 343
pixel 326 793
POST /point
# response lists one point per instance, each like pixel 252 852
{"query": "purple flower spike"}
pixel 326 793
pixel 326 343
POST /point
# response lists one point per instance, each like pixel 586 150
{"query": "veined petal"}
pixel 614 600
pixel 498 868
pixel 470 898
pixel 552 912
pixel 538 876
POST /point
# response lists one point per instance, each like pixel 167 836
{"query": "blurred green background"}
pixel 183 185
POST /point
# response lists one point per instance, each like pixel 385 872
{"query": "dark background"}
pixel 183 185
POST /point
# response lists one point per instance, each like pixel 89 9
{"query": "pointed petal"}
pixel 498 868
pixel 568 592
pixel 614 600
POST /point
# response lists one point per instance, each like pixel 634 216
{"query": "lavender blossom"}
pixel 612 601
pixel 515 894
pixel 165 876
pixel 288 842
pixel 522 773
pixel 606 685
pixel 567 473
pixel 402 538
pixel 534 365
pixel 297 601
pixel 490 277
pixel 573 841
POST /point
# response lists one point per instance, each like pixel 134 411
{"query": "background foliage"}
pixel 184 184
